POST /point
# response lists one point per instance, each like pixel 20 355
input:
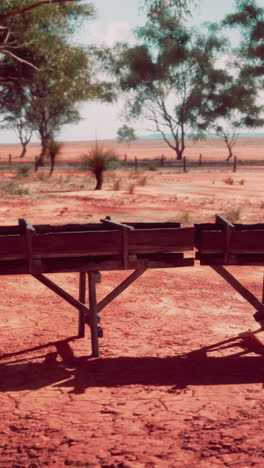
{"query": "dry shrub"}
pixel 229 180
pixel 233 215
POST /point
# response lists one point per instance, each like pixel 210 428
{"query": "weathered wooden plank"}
pixel 110 242
pixel 107 263
pixel 257 260
pixel 244 242
pixel 12 247
pixel 160 240
pixel 154 225
pixel 77 244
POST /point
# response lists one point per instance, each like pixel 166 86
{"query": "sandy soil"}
pixel 165 392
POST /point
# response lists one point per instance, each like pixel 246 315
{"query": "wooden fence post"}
pixel 136 163
pixel 125 159
pixel 235 164
pixel 200 160
pixel 9 160
pixel 184 164
pixel 162 159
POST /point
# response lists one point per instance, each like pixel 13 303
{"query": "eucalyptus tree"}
pixel 249 18
pixel 171 76
pixel 61 75
pixel 126 134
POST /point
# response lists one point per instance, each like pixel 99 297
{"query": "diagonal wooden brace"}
pixel 66 296
pixel 120 288
pixel 244 292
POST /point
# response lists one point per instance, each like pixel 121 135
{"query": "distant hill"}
pixel 191 135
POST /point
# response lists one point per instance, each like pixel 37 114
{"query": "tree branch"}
pixel 3 18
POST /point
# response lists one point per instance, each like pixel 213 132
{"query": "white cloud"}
pixel 99 32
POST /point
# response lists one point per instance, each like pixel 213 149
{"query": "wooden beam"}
pixel 244 292
pixel 108 221
pixel 119 289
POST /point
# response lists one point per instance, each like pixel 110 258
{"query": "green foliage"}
pixel 126 134
pixel 249 17
pixel 171 76
pixel 52 76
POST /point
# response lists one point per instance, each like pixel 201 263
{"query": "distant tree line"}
pixel 179 78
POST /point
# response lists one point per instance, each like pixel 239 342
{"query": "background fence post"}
pixel 9 160
pixel 235 164
pixel 200 160
pixel 184 164
pixel 136 163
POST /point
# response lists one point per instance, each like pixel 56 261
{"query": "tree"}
pixel 171 77
pixel 126 134
pixel 54 148
pixel 249 17
pixel 98 161
pixel 10 42
pixel 181 7
pixel 247 77
pixel 63 75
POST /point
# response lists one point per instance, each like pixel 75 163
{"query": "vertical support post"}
pixel 93 312
pixel 9 160
pixel 200 160
pixel 136 163
pixel 82 297
pixel 162 160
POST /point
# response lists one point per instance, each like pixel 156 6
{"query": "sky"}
pixel 115 20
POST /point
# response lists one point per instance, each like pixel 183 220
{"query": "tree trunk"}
pixel 24 150
pixel 41 158
pixel 99 180
pixel 52 163
pixel 230 154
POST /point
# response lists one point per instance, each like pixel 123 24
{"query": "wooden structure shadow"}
pixel 89 249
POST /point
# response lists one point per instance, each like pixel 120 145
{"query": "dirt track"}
pixel 164 393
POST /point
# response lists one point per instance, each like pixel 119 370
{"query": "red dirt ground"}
pixel 165 392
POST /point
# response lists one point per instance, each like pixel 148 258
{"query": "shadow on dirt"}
pixel 194 368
